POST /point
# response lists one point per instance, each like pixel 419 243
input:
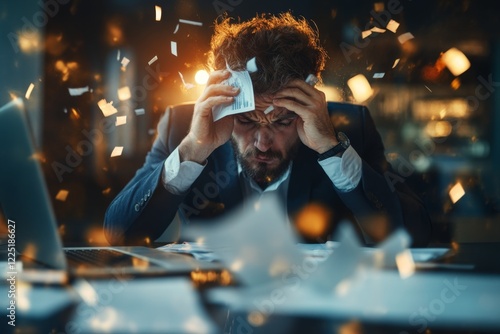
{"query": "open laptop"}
pixel 25 203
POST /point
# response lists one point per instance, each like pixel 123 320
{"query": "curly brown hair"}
pixel 284 48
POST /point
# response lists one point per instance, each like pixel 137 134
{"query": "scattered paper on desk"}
pixel 173 48
pixel 392 26
pixel 28 91
pixel 255 241
pixel 405 37
pixel 120 120
pixel 78 91
pixel 107 107
pixel 242 102
pixel 117 151
pixel 341 264
pixel 387 250
pixel 157 13
pixel 152 60
pixel 62 195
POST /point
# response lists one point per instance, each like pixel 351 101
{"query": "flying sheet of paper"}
pixel 243 102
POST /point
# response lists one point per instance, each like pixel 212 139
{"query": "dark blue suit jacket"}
pixel 144 209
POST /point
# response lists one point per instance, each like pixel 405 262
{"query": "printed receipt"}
pixel 243 102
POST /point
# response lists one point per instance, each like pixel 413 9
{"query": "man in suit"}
pixel 296 151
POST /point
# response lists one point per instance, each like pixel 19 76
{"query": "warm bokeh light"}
pixel 29 42
pixel 360 87
pixel 313 221
pixel 201 77
pixel 331 93
pixel 438 129
pixel 124 93
pixel 456 61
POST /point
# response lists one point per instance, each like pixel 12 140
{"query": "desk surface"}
pixel 442 300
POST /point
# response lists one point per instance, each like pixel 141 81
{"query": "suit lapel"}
pixel 299 186
pixel 226 171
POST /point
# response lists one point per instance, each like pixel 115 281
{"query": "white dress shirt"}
pixel 344 172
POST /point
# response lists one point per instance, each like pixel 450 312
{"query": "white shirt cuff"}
pixel 178 176
pixel 345 171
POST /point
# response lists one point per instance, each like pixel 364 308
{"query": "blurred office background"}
pixel 428 70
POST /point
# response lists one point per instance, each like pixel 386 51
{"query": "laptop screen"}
pixel 23 195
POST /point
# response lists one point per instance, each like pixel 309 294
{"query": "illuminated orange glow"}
pixel 455 84
pixel 124 93
pixel 30 251
pixel 351 327
pixel 62 195
pixel 360 87
pixel 114 34
pixel 376 226
pixel 95 236
pixel 201 77
pixel 74 114
pixel 140 264
pixel 66 68
pixel 438 129
pixel 256 319
pixel 201 278
pixel 39 156
pixel 313 221
pixel 456 61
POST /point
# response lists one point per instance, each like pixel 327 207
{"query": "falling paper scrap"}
pixel 107 108
pixel 78 91
pixel 140 111
pixel 117 151
pixel 378 75
pixel 405 37
pixel 392 26
pixel 173 48
pixel 456 192
pixel 252 65
pixel 62 195
pixel 120 120
pixel 243 102
pixel 186 85
pixel 157 13
pixel 29 90
pixel 155 58
pixel 125 61
pixel 365 33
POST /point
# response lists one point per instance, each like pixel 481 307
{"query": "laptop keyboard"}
pixel 102 258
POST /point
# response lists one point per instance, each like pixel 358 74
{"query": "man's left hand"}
pixel 314 126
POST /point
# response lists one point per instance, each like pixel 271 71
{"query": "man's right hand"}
pixel 205 135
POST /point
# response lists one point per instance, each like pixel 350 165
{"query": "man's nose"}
pixel 263 138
